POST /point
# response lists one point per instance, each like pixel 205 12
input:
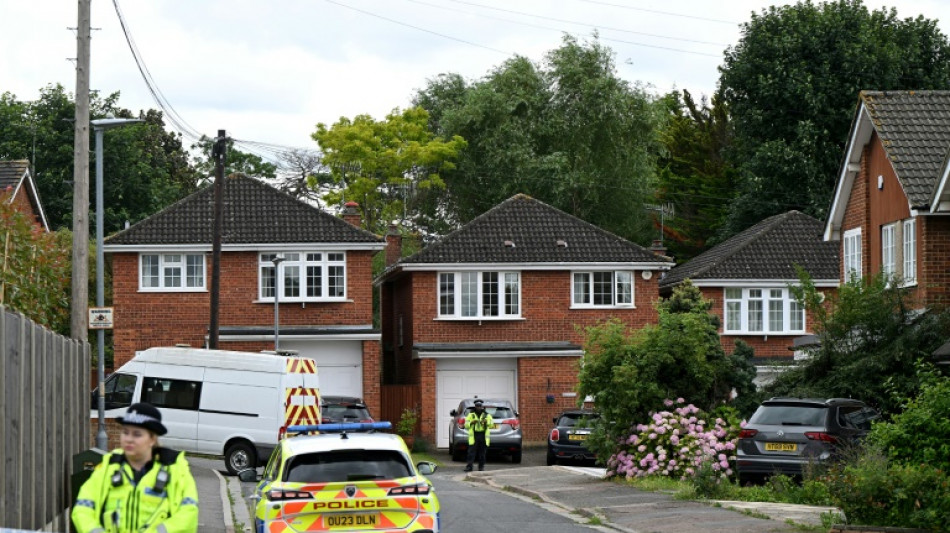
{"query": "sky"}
pixel 268 71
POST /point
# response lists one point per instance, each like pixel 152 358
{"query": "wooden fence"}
pixel 44 421
pixel 394 398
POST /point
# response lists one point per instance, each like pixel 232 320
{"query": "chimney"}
pixel 393 245
pixel 351 213
pixel 658 248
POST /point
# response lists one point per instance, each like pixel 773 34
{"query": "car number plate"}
pixel 349 521
pixel 577 437
pixel 780 446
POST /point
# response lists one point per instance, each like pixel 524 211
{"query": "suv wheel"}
pixel 516 457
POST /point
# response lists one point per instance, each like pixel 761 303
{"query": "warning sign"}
pixel 100 318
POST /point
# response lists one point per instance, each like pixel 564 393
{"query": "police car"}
pixel 344 480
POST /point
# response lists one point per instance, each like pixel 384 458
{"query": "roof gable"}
pixel 525 230
pixel 16 176
pixel 254 213
pixel 769 250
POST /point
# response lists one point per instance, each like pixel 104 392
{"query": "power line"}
pixel 707 19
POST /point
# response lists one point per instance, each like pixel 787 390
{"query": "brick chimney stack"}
pixel 393 245
pixel 658 248
pixel 351 213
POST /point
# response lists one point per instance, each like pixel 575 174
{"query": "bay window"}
pixel 761 311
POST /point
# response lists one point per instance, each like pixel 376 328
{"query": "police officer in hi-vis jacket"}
pixel 479 424
pixel 142 488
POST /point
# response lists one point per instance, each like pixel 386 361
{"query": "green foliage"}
pixel 873 344
pixel 34 278
pixel 567 131
pixel 791 84
pixel 873 491
pixel 236 161
pixel 406 425
pixel 382 164
pixel 920 434
pixel 630 374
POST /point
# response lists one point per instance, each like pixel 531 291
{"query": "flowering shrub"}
pixel 680 443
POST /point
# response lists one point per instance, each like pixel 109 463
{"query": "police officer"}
pixel 142 488
pixel 479 424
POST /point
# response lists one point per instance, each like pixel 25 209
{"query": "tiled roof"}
pixel 11 172
pixel 253 213
pixel 914 127
pixel 768 250
pixel 524 230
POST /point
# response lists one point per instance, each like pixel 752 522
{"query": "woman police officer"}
pixel 140 488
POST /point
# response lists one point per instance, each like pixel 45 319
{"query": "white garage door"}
pixel 339 364
pixel 460 379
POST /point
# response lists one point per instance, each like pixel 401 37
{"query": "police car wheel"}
pixel 240 456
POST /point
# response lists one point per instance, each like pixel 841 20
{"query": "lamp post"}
pixel 277 260
pixel 99 126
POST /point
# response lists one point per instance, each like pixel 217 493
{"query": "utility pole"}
pixel 219 154
pixel 80 271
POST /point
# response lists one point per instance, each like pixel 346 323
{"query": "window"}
pixel 171 393
pixel 852 254
pixel 603 289
pixel 346 466
pixel 761 311
pixel 179 272
pixel 909 235
pixel 888 255
pixel 304 276
pixel 119 389
pixel 479 294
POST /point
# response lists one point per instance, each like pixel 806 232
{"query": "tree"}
pixel 383 165
pixel 630 374
pixel 569 132
pixel 791 84
pixel 694 175
pixel 872 342
pixel 235 162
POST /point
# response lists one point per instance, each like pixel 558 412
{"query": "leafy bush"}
pixel 921 434
pixel 872 491
pixel 679 444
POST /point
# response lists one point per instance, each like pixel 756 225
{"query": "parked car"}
pixel 505 435
pixel 340 409
pixel 567 441
pixel 786 434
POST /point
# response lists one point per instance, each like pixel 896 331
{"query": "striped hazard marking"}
pixel 301 406
pixel 300 365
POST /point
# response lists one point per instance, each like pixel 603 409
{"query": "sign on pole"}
pixel 100 318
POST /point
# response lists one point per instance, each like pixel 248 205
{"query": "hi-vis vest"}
pixel 111 502
pixel 480 424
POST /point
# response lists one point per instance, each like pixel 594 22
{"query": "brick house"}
pixel 892 195
pixel 18 188
pixel 497 309
pixel 747 278
pixel 161 280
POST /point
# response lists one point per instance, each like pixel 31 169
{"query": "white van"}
pixel 219 402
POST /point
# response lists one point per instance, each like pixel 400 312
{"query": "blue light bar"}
pixel 353 426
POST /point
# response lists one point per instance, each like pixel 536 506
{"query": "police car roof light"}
pixel 353 426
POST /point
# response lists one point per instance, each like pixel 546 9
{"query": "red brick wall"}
pixel 933 260
pixel 21 202
pixel 856 213
pixel 146 319
pixel 537 378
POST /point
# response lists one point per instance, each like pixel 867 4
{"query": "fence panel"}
pixel 395 398
pixel 44 406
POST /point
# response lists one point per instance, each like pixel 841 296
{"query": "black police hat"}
pixel 144 415
pixel 479 403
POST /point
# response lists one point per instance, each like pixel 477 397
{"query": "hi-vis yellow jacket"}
pixel 482 423
pixel 110 502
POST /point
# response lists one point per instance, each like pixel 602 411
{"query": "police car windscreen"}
pixel 347 465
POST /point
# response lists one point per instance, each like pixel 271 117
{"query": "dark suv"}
pixel 343 409
pixel 784 434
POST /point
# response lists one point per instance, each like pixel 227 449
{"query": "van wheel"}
pixel 240 456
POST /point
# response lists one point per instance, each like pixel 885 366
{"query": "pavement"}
pixel 624 508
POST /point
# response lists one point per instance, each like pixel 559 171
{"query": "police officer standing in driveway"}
pixel 479 424
pixel 141 487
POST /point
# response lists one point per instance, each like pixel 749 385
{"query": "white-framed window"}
pixel 602 289
pixel 851 253
pixel 909 237
pixel 304 276
pixel 478 295
pixel 888 250
pixel 174 272
pixel 761 311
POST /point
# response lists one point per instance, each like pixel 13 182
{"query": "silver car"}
pixel 505 434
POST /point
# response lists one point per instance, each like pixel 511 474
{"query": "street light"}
pixel 99 126
pixel 277 260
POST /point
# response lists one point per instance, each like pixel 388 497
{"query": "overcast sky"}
pixel 270 70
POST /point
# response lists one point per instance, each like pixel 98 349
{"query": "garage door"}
pixel 485 379
pixel 339 364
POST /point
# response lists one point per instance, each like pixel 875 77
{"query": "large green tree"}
pixel 791 84
pixel 385 165
pixel 567 131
